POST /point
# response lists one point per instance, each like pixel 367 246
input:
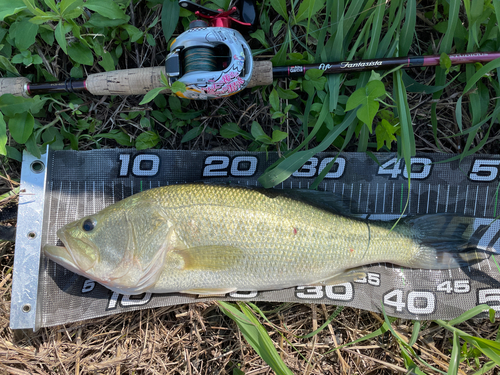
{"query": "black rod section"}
pixel 70 85
pixel 347 66
pixel 387 63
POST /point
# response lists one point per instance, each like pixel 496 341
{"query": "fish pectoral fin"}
pixel 209 291
pixel 344 277
pixel 211 258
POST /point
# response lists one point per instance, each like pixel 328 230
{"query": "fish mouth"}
pixel 62 256
pixel 66 258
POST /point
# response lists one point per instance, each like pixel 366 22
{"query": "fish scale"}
pixel 207 239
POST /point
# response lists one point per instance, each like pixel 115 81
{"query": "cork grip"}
pixel 140 81
pixel 14 86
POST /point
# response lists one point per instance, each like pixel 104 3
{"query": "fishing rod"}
pixel 213 60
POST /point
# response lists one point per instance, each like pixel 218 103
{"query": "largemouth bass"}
pixel 210 239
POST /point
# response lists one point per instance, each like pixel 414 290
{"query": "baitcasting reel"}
pixel 212 61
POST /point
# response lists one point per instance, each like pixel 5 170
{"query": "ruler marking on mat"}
pixel 466 197
pixel 437 199
pixel 368 197
pixel 447 199
pixel 486 200
pixel 418 201
pixel 428 199
pixel 385 196
pixel 392 202
pixel 475 201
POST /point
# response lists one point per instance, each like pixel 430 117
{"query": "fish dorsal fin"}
pixel 325 200
pixel 213 258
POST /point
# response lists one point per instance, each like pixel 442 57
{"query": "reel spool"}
pixel 213 62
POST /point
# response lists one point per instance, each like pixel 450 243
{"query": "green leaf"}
pixel 231 130
pixel 259 134
pixel 278 136
pixel 147 140
pixel 80 53
pixel 11 7
pixel 274 100
pixel 307 8
pixel 32 147
pixel 286 94
pixel 280 7
pixel 445 62
pixel 261 37
pixel 107 61
pixel 314 74
pixel 6 65
pixel 178 86
pixel 278 25
pixel 52 5
pixel 3 135
pixel 151 40
pixel 108 9
pixel 13 153
pixel 24 34
pixel 133 32
pixel 11 105
pixel 145 122
pixel 69 5
pixel 61 37
pixel 365 97
pixel 189 115
pixel 150 95
pixel 21 126
pixel 53 137
pixel 192 134
pixel 96 20
pixel 169 17
pixel 175 103
pixel 119 136
pixel 385 134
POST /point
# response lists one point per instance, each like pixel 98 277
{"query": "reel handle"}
pixel 129 82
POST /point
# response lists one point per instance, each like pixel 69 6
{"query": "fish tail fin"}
pixel 446 241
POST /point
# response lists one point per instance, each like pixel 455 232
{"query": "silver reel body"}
pixel 210 84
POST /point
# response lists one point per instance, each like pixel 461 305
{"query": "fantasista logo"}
pixel 349 64
pixel 361 64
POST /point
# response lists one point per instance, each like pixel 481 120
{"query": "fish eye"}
pixel 88 225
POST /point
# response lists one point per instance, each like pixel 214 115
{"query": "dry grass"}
pixel 198 339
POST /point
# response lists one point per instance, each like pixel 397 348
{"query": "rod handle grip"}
pixel 132 81
pixel 141 80
pixel 14 86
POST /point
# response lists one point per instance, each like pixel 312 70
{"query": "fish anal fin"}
pixel 344 277
pixel 205 292
pixel 212 258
